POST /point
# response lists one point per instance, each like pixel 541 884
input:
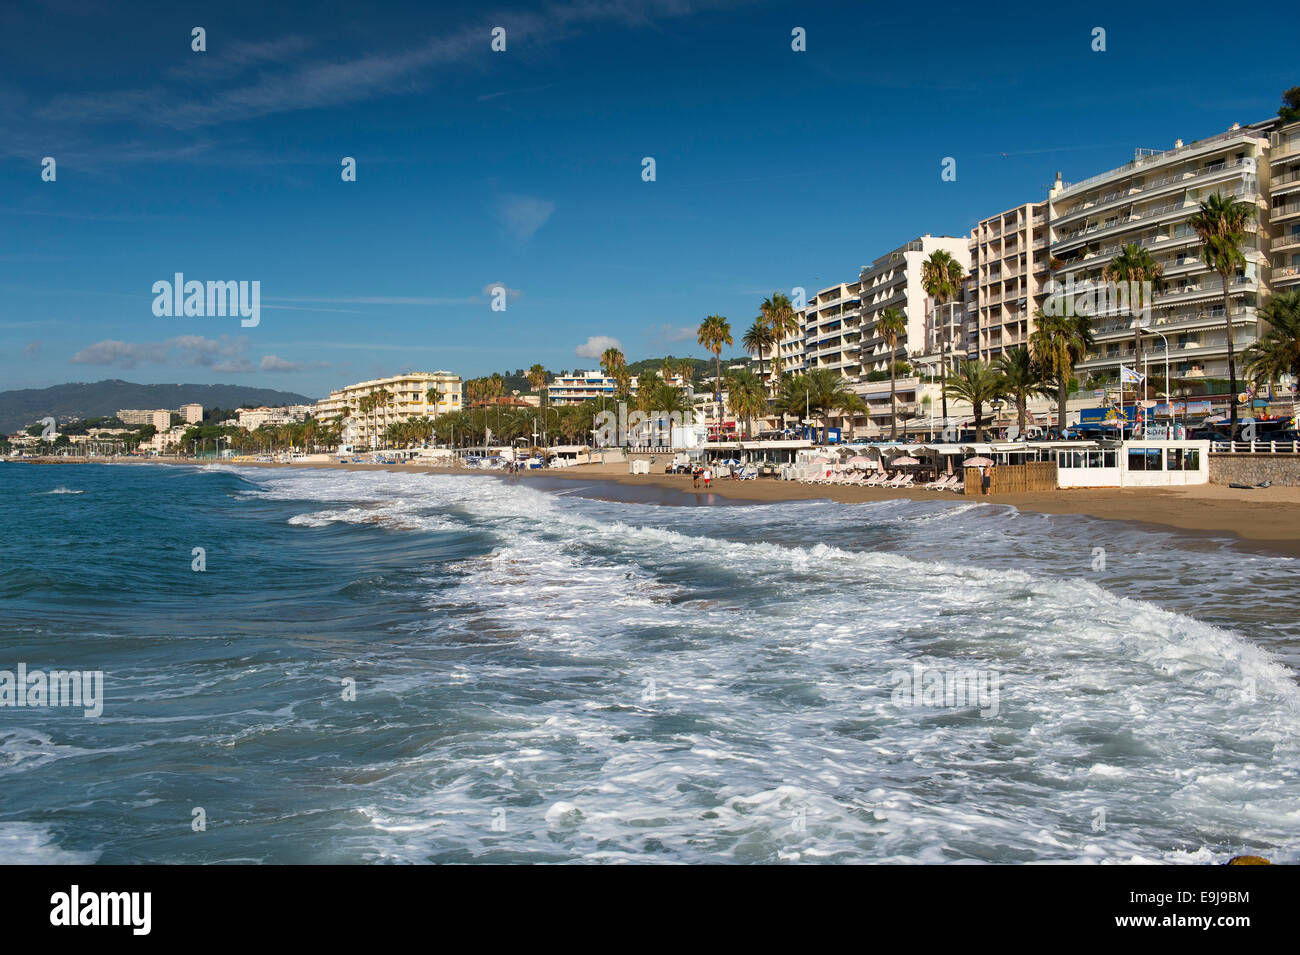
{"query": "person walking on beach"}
pixel 708 477
pixel 695 473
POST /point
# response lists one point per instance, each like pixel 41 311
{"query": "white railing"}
pixel 1255 447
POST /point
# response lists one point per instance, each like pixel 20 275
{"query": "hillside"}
pixel 94 399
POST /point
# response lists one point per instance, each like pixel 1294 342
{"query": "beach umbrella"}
pixel 904 461
pixel 821 460
pixel 977 462
pixel 859 461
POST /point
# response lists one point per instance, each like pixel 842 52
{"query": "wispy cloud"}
pixel 522 216
pixel 385 300
pixel 227 354
pixel 667 333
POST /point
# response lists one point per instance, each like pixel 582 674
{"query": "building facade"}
pixel 407 397
pixel 1009 255
pixel 1148 202
pixel 1284 208
pixel 583 386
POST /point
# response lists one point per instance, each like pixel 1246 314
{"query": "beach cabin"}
pixel 1137 463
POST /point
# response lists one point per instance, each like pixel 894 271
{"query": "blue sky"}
pixel 775 168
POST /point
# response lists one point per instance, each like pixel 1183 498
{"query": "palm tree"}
pixel 1135 265
pixel 819 391
pixel 383 398
pixel 891 325
pixel 1277 352
pixel 537 377
pixel 611 360
pixel 713 333
pixel 1057 344
pixel 977 383
pixel 748 397
pixel 941 277
pixel 758 340
pixel 783 322
pixel 1022 379
pixel 1220 224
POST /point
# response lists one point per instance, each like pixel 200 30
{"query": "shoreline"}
pixel 1264 520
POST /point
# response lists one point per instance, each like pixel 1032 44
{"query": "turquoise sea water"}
pixel 544 676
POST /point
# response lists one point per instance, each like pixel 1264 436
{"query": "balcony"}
pixel 1284 150
pixel 1286 210
pixel 1180 178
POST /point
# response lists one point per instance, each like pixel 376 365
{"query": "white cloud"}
pixel 236 366
pixel 121 354
pixel 205 352
pixel 595 346
pixel 276 363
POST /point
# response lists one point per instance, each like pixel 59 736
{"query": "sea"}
pixel 319 666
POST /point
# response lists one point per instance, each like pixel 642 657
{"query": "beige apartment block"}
pixel 894 281
pixel 1148 201
pixel 1009 255
pixel 407 398
pixel 1284 209
pixel 192 413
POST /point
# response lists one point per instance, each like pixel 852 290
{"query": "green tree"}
pixel 1289 111
pixel 1220 224
pixel 713 333
pixel 820 392
pixel 1057 344
pixel 758 340
pixel 1022 379
pixel 784 322
pixel 1135 264
pixel 978 384
pixel 941 277
pixel 748 397
pixel 1277 352
pixel 891 325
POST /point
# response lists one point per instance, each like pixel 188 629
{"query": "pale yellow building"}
pixel 408 397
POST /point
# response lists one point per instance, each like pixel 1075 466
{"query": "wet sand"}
pixel 1266 519
pixel 1262 518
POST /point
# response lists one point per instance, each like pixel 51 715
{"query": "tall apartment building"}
pixel 408 398
pixel 894 281
pixel 161 419
pixel 1284 211
pixel 583 386
pixel 192 413
pixel 1009 255
pixel 1148 201
pixel 831 330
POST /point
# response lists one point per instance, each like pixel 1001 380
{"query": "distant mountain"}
pixel 92 400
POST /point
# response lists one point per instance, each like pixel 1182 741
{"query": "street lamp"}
pixel 1169 388
pixel 997 411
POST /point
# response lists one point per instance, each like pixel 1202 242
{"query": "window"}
pixel 1144 459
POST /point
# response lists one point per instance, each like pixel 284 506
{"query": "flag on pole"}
pixel 1129 376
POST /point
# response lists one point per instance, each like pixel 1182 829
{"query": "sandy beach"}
pixel 1261 518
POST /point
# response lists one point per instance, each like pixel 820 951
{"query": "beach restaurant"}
pixel 1078 464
